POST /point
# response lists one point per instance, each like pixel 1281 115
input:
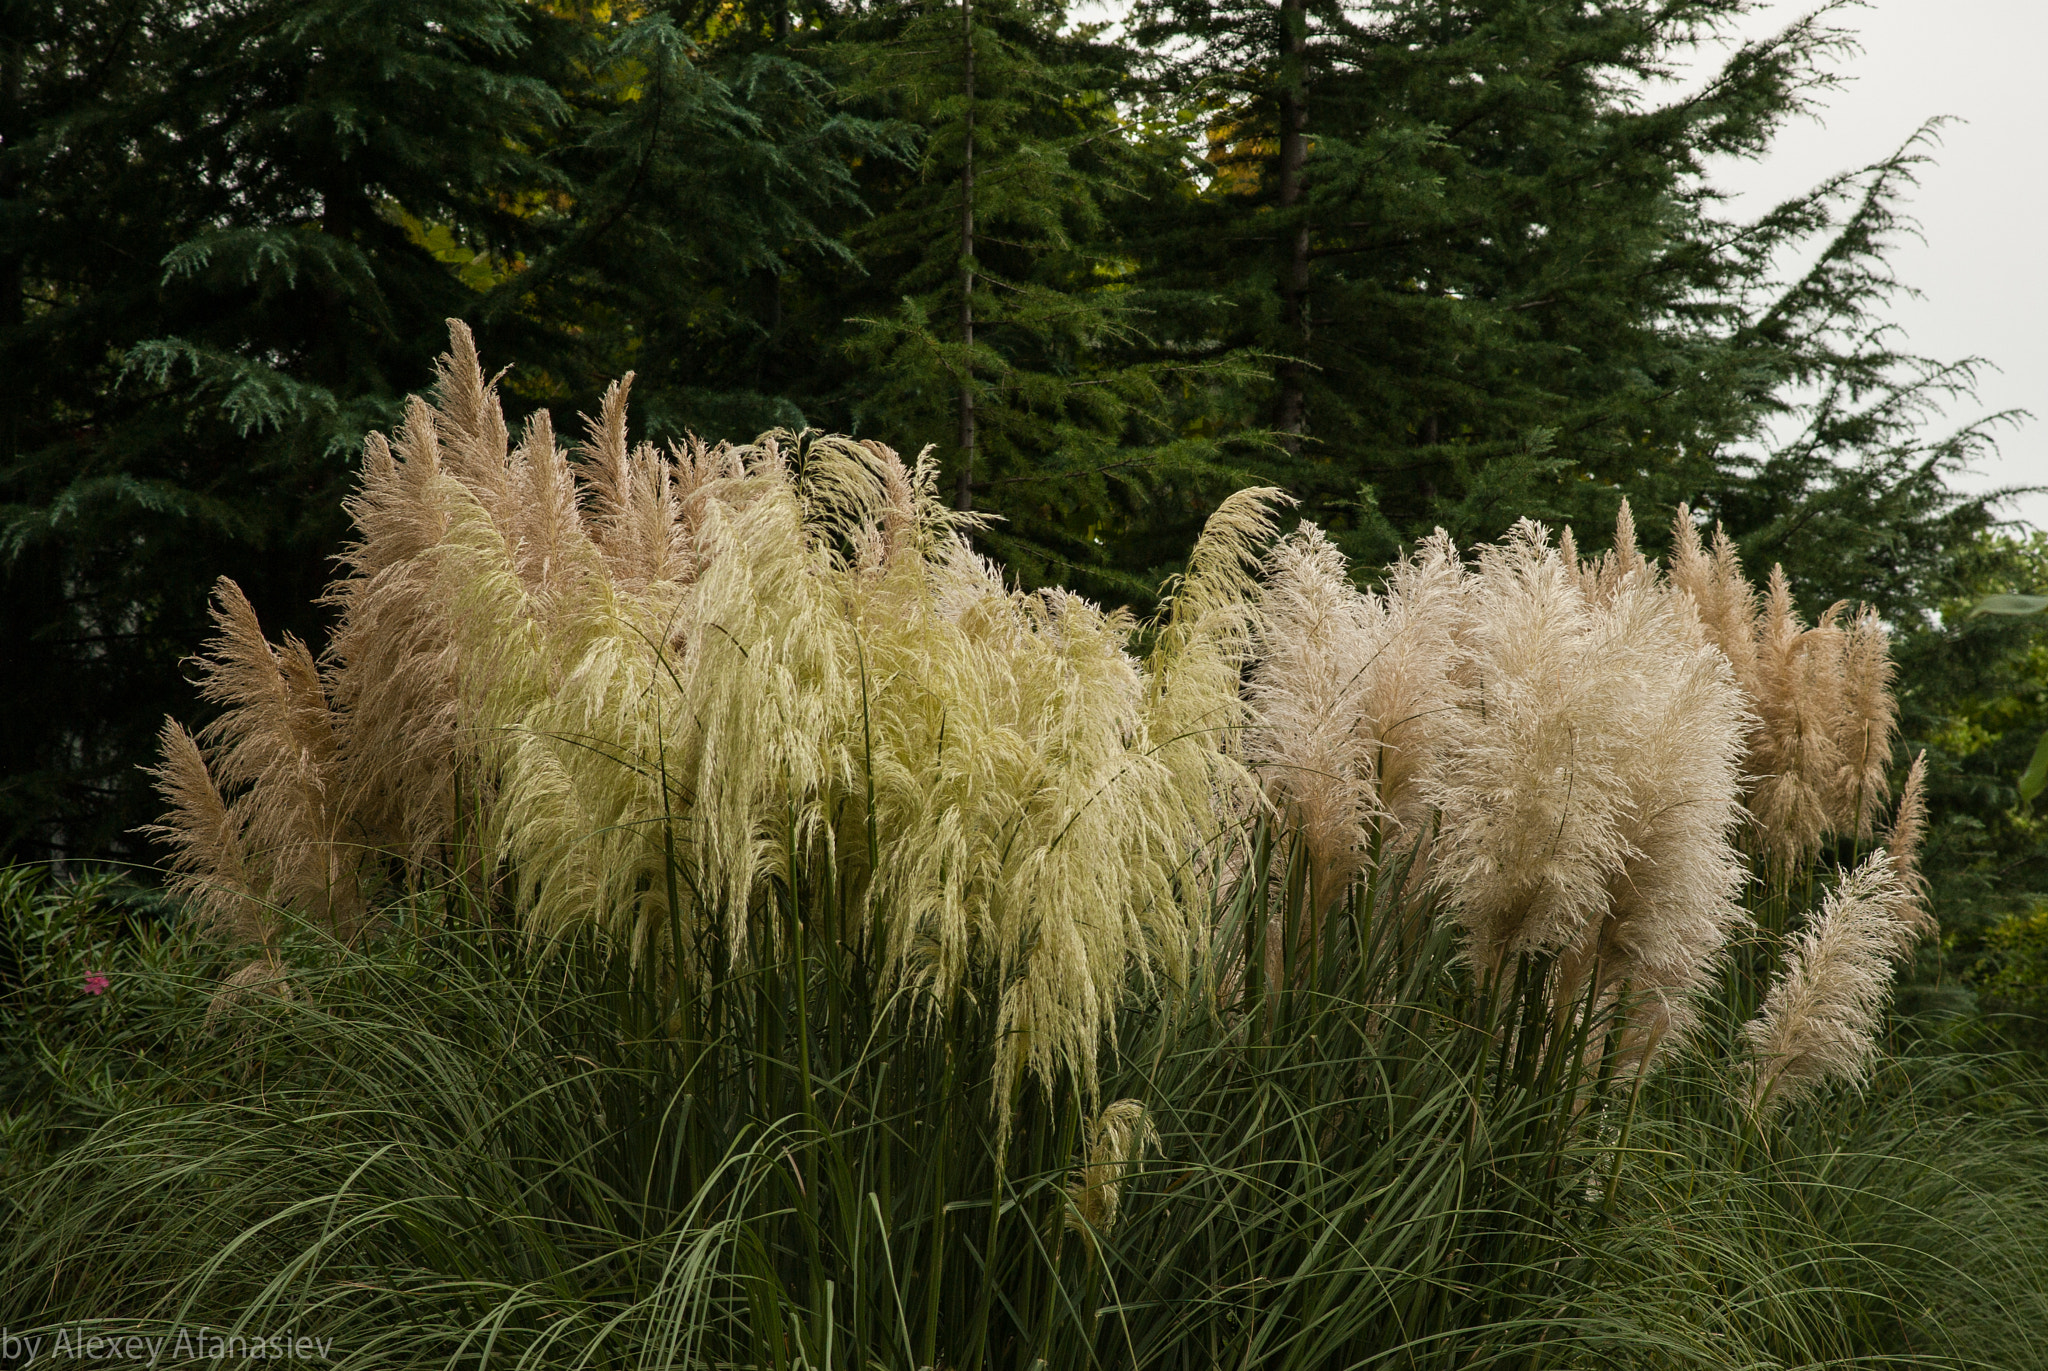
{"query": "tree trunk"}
pixel 1291 415
pixel 963 494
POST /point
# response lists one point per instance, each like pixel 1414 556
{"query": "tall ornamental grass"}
pixel 644 691
pixel 695 914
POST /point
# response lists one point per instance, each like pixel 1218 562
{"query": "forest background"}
pixel 1422 263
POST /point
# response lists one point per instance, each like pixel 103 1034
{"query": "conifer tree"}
pixel 716 174
pixel 231 232
pixel 997 319
pixel 1479 240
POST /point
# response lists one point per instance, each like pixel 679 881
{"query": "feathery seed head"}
pixel 1902 840
pixel 1865 724
pixel 750 665
pixel 1588 782
pixel 211 869
pixel 1527 789
pixel 1819 1021
pixel 1350 693
pixel 1117 1139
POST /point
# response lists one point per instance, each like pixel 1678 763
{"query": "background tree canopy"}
pixel 1422 262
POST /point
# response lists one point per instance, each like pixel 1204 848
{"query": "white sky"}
pixel 1980 206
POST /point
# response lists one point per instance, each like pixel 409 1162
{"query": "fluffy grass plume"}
pixel 1902 840
pixel 656 684
pixel 1567 729
pixel 1118 1139
pixel 1587 737
pixel 1352 691
pixel 210 868
pixel 1589 801
pixel 1819 1021
pixel 1589 785
pixel 280 851
pixel 778 777
pixel 1820 747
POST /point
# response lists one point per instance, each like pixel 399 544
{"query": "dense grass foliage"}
pixel 446 1149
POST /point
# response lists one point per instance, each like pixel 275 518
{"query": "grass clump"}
pixel 696 914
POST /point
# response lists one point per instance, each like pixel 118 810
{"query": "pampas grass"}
pixel 1589 786
pixel 642 688
pixel 1820 746
pixel 1902 841
pixel 772 896
pixel 665 679
pixel 1819 1022
pixel 1118 1139
pixel 450 1141
pixel 1352 693
pixel 1562 733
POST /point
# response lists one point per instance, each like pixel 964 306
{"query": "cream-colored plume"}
pixel 552 678
pixel 1724 600
pixel 1820 1019
pixel 1821 745
pixel 211 870
pixel 1569 729
pixel 406 752
pixel 1902 840
pixel 1529 800
pixel 1796 755
pixel 1118 1138
pixel 757 661
pixel 1351 694
pixel 1865 727
pixel 282 843
pixel 1588 782
pixel 1673 902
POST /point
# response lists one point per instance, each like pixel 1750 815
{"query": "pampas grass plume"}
pixel 1902 840
pixel 1528 788
pixel 1117 1138
pixel 750 661
pixel 210 868
pixel 1819 1020
pixel 1350 694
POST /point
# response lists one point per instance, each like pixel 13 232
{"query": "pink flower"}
pixel 95 984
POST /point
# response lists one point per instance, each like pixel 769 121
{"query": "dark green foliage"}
pixel 1484 233
pixel 92 991
pixel 210 293
pixel 703 172
pixel 231 235
pixel 1001 232
pixel 448 1147
pixel 1851 489
pixel 1973 692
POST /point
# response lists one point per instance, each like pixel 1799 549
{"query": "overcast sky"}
pixel 1981 207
